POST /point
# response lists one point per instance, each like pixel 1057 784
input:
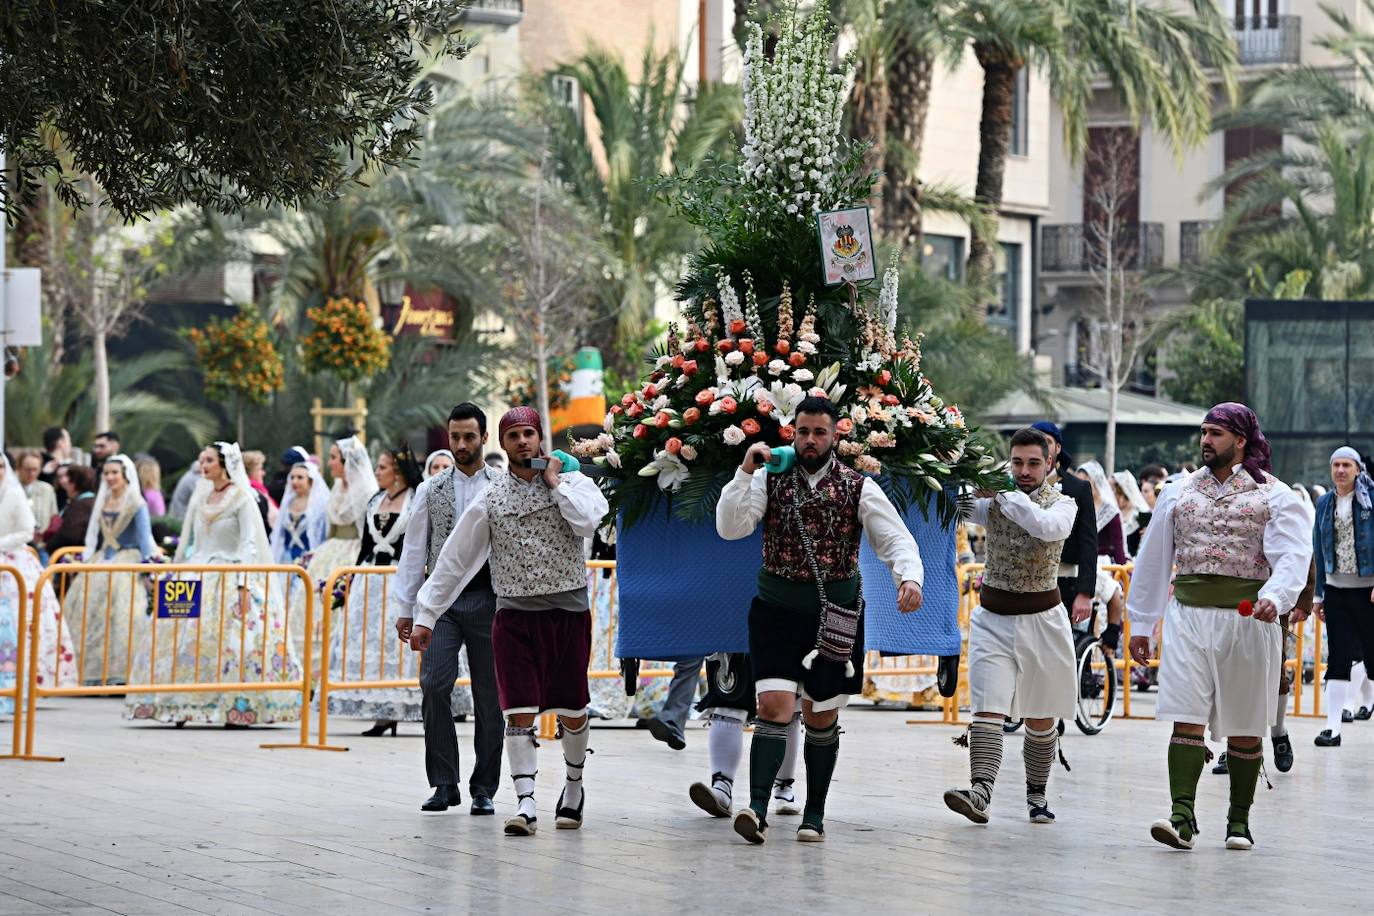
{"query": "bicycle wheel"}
pixel 1096 687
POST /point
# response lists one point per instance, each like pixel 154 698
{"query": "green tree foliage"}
pixel 221 104
pixel 1206 353
pixel 640 134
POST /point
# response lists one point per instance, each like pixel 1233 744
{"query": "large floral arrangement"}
pixel 237 357
pixel 345 340
pixel 761 331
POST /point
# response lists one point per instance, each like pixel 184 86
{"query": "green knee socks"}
pixel 821 751
pixel 765 758
pixel 1187 756
pixel 1243 764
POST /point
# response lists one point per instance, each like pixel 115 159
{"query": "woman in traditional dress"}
pixel 354 483
pixel 301 523
pixel 302 527
pixel 438 461
pixel 101 607
pixel 56 657
pixel 222 527
pixel 363 646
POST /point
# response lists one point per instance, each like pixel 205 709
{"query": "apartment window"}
pixel 943 256
pixel 1020 106
pixel 1004 314
pixel 567 92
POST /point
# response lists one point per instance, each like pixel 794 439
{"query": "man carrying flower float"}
pixel 806 623
pixel 1241 544
pixel 1020 648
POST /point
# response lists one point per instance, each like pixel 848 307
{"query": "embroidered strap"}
pixel 839 626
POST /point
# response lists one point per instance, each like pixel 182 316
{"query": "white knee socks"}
pixel 1336 692
pixel 788 770
pixel 575 757
pixel 1278 730
pixel 522 756
pixel 725 745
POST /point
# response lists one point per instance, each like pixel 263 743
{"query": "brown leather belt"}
pixel 1012 604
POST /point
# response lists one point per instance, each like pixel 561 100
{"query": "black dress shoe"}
pixel 1283 754
pixel 1326 739
pixel 1364 713
pixel 444 797
pixel 1221 767
pixel 1347 716
pixel 481 804
pixel 667 734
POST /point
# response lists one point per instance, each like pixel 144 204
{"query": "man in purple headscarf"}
pixel 1242 545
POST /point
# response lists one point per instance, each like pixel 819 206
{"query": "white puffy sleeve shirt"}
pixel 744 500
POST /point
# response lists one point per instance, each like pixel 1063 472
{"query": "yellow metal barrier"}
pixel 603 665
pixel 16 693
pixel 105 685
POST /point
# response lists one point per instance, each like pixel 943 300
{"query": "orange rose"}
pixel 634 410
pixel 845 426
pixel 701 345
pixel 641 430
pixel 689 367
pixel 783 348
pixel 728 405
pixel 788 433
pixel 663 419
pixel 678 360
pixel 884 378
pixel 737 326
pixel 891 400
pixel 673 445
pixel 704 397
pixel 650 392
pixel 760 358
pixel 725 346
pixel 617 409
pixel 797 360
pixel 691 415
pixel 750 427
pixel 746 346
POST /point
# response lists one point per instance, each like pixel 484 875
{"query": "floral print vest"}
pixel 1219 527
pixel 534 550
pixel 1017 562
pixel 830 512
pixel 440 506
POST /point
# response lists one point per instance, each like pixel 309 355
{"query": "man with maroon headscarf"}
pixel 1242 544
pixel 531 526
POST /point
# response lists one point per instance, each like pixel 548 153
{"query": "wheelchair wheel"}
pixel 947 675
pixel 1096 686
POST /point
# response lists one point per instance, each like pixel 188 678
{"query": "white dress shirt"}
pixel 410 572
pixel 1052 524
pixel 744 501
pixel 579 500
pixel 1287 548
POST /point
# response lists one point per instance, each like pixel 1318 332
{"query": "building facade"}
pixel 1167 211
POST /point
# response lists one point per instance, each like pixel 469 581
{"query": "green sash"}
pixel 1199 590
pixel 802 596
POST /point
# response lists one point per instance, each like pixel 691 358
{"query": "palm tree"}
pixel 638 133
pixel 1155 59
pixel 47 394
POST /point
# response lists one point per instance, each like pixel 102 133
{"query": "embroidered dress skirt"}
pixel 779 639
pixel 541 660
pixel 1022 666
pixel 1219 669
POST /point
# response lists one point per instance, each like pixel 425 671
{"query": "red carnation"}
pixel 1246 609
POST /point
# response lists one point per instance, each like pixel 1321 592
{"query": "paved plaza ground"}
pixel 148 819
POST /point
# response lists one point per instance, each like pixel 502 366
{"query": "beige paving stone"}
pixel 148 820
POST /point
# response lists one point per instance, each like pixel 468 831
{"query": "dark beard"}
pixel 1221 460
pixel 812 467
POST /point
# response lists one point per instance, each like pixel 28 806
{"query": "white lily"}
pixel 671 472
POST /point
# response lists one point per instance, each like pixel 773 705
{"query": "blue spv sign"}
pixel 178 599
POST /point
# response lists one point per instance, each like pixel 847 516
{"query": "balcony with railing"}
pixel 1079 248
pixel 1265 40
pixel 1192 240
pixel 494 12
